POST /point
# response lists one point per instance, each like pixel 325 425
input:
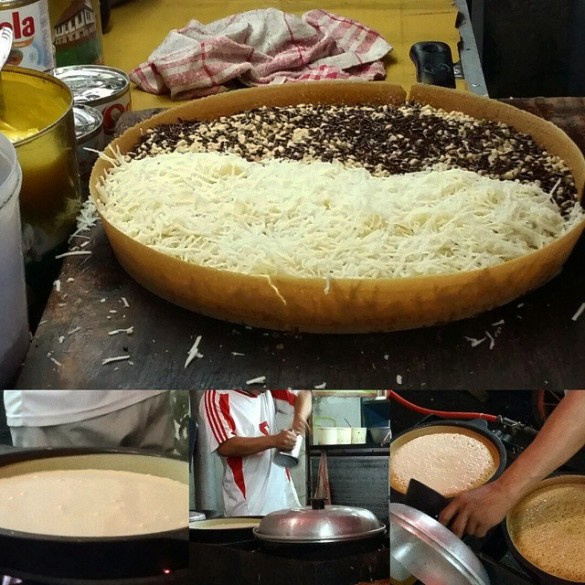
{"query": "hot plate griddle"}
pixel 249 564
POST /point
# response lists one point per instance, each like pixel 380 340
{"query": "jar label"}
pixel 77 34
pixel 32 47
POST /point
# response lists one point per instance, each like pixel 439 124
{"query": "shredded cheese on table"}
pixel 119 358
pixel 579 312
pixel 258 380
pixel 193 352
pixel 317 219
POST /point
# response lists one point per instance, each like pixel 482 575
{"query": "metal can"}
pixel 290 458
pixel 29 20
pixel 90 137
pixel 50 197
pixel 77 30
pixel 104 88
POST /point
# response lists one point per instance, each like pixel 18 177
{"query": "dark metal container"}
pixel 58 560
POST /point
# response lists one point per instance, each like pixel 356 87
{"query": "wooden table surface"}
pixel 138 27
pixel 537 344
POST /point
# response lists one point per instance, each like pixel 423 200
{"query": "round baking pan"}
pixel 543 577
pixel 67 560
pixel 475 429
pixel 224 530
pixel 346 305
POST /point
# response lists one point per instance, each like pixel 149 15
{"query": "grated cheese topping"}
pixel 194 352
pixel 579 312
pixel 317 219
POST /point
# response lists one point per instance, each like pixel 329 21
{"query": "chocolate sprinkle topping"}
pixel 384 139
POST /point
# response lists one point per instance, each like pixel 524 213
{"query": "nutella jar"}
pixel 32 46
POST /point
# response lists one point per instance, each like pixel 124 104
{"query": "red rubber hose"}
pixel 442 413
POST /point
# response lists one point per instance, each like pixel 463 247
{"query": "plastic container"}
pixel 344 435
pixel 13 309
pixel 358 435
pixel 324 430
pixel 325 436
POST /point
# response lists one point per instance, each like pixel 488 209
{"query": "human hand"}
pixel 285 440
pixel 476 511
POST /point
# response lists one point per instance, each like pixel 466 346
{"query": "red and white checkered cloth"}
pixel 261 47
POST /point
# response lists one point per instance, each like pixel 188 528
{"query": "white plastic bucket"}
pixel 358 435
pixel 343 435
pixel 13 309
pixel 325 436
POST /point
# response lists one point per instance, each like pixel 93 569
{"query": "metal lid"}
pixel 88 122
pixel 93 84
pixel 427 550
pixel 319 524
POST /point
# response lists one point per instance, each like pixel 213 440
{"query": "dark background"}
pixel 531 47
pixel 4 432
pixel 514 404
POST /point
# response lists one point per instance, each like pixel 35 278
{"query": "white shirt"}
pixel 39 408
pixel 252 485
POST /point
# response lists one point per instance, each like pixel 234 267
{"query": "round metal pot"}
pixel 543 577
pixel 475 429
pixel 39 108
pixel 150 558
pixel 424 548
pixel 223 530
pixel 320 524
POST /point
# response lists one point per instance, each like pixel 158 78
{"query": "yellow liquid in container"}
pixel 38 119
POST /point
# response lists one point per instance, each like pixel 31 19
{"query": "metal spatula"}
pixel 425 499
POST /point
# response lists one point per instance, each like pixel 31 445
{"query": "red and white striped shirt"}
pixel 252 485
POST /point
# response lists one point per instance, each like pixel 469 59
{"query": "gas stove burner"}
pixel 217 564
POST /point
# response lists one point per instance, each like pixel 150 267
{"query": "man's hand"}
pixel 476 511
pixel 285 440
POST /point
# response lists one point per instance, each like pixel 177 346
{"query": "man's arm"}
pixel 303 407
pixel 562 435
pixel 285 440
pixel 243 446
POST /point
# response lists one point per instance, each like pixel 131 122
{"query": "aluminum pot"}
pixel 427 550
pixel 319 524
pixel 545 576
pixel 380 435
pixel 475 429
pixel 150 558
